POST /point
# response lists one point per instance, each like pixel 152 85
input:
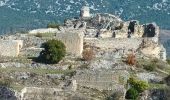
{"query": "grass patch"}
pixel 39 71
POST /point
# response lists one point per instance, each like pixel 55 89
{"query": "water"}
pixel 22 15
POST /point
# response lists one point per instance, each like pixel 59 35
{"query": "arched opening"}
pixel 149 31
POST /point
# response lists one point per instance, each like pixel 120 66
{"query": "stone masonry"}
pixel 73 41
pixel 102 80
pixel 10 48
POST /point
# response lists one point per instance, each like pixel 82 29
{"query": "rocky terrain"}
pixel 120 51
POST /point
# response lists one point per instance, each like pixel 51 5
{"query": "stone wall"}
pixel 114 43
pixel 73 41
pixel 10 48
pixel 102 80
pixel 32 93
pixel 143 47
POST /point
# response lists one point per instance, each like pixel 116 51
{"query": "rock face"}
pixel 10 48
pixel 73 41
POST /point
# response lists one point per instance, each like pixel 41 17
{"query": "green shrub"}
pixel 53 25
pixel 150 67
pixel 140 86
pixel 132 93
pixel 54 51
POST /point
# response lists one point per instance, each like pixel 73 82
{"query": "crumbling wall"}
pixel 35 93
pixel 10 48
pixel 102 80
pixel 152 49
pixel 114 43
pixel 151 30
pixel 73 41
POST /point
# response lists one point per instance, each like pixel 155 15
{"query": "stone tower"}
pixel 85 11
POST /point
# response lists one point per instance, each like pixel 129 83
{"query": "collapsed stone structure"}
pixel 97 26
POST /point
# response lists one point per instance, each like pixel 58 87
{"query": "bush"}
pixel 88 54
pixel 132 94
pixel 54 51
pixel 53 25
pixel 131 59
pixel 140 86
pixel 150 67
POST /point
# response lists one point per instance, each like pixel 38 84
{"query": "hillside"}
pixel 21 15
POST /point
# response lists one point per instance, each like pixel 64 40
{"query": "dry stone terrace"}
pixel 102 80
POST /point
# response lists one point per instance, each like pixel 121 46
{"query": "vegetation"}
pixel 137 87
pixel 88 54
pixel 150 67
pixel 131 59
pixel 140 86
pixel 132 94
pixel 54 51
pixel 53 25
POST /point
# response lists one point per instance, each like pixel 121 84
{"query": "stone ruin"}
pixel 10 48
pixel 99 26
pixel 85 12
pixel 102 80
pixel 73 41
pixel 106 31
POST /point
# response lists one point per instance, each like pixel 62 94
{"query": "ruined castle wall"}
pixel 114 43
pixel 10 48
pixel 73 41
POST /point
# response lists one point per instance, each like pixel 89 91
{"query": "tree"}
pixel 54 51
pixel 140 86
